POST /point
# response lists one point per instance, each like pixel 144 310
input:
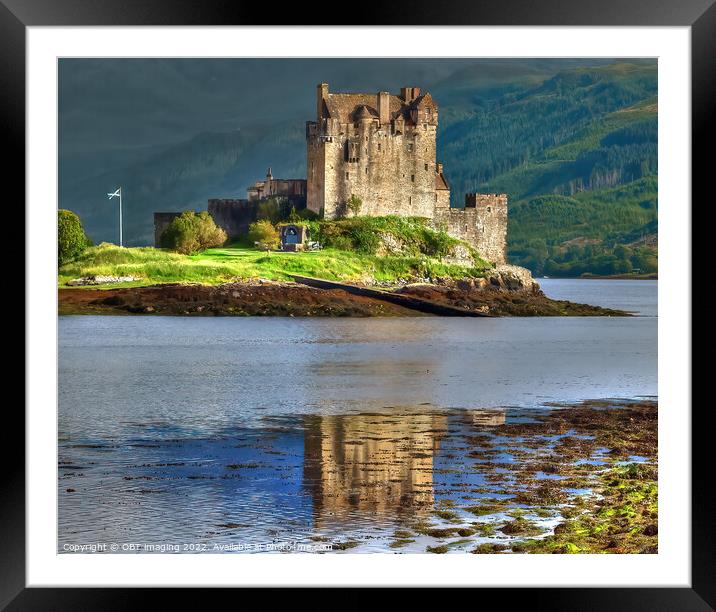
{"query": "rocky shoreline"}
pixel 507 291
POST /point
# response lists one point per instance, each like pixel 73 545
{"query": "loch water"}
pixel 230 434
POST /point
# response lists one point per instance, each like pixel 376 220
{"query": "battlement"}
pixel 482 223
pixel 485 200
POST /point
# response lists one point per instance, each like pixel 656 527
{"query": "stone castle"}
pixel 380 148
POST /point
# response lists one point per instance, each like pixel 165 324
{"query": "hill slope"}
pixel 581 179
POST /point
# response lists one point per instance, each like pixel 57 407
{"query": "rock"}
pixel 460 255
pixel 100 280
pixel 390 245
pixel 465 284
pixel 512 278
pixel 651 530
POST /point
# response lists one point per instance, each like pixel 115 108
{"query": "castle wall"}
pixel 233 215
pixel 442 198
pixel 482 223
pixel 161 223
pixel 293 189
pixel 393 174
pixel 315 169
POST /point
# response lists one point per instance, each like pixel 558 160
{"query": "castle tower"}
pixel 380 147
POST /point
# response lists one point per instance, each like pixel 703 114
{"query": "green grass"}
pixel 413 236
pixel 227 264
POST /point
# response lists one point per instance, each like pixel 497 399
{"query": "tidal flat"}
pixel 565 478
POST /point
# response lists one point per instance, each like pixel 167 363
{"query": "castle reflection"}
pixel 485 417
pixel 371 463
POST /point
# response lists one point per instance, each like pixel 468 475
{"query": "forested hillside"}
pixel 578 157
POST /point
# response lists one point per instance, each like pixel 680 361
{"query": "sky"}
pixel 128 103
pixel 108 104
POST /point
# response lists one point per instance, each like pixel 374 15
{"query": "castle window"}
pixel 366 169
pixel 412 178
pixel 378 146
pixel 346 176
pixel 489 209
pixel 410 147
pixel 426 166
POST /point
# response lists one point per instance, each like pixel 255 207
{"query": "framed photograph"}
pixel 404 303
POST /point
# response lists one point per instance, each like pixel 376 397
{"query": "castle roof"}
pixel 363 112
pixel 348 107
pixel 440 182
pixel 342 106
pixel 424 100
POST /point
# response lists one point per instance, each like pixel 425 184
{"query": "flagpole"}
pixel 120 216
pixel 118 194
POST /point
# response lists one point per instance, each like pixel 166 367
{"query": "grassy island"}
pixel 368 249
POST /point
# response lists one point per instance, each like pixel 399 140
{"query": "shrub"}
pixel 273 209
pixel 354 204
pixel 264 235
pixel 365 234
pixel 71 237
pixel 308 215
pixel 293 215
pixel 192 232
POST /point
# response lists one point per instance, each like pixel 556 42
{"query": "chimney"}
pixel 409 93
pixel 321 95
pixel 384 107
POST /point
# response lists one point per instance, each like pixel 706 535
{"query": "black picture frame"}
pixel 17 15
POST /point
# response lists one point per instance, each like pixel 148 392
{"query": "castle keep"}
pixel 382 148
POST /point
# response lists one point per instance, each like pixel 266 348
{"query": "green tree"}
pixel 293 216
pixel 192 232
pixel 71 237
pixel 354 204
pixel 264 235
pixel 270 210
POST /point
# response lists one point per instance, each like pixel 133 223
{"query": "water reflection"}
pixel 375 463
pixel 485 417
pixel 358 479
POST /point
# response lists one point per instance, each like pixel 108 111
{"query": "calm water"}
pixel 636 296
pixel 241 431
